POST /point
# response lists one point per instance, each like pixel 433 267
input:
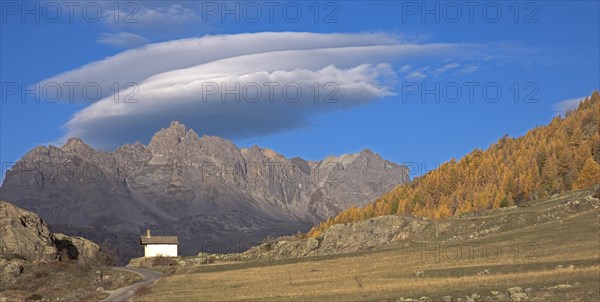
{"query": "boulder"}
pixel 517 294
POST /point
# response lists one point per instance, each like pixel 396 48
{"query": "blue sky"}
pixel 381 56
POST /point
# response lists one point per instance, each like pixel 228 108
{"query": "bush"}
pixel 67 250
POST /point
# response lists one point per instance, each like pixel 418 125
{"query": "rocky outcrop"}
pixel 25 235
pixel 204 189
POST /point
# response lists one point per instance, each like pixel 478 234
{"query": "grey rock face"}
pixel 206 190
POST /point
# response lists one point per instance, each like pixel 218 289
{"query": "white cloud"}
pixel 122 39
pixel 563 106
pixel 446 67
pixel 140 17
pixel 468 69
pixel 416 75
pixel 405 68
pixel 172 80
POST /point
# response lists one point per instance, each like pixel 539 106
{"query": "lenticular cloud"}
pixel 236 85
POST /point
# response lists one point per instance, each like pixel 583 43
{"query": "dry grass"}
pixel 68 281
pixel 529 259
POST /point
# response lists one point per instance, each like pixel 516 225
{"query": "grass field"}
pixel 563 252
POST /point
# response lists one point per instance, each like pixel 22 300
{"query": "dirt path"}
pixel 124 293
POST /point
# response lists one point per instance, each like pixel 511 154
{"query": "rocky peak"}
pixel 167 139
pixel 75 144
pixel 368 152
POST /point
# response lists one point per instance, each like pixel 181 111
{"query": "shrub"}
pixel 67 250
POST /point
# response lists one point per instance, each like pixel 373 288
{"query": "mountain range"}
pixel 215 196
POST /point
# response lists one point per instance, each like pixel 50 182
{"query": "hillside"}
pixel 559 157
pixel 206 190
pixel 37 264
pixel 545 250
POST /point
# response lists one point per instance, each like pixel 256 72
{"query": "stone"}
pixel 446 299
pixel 514 290
pixel 518 296
pixel 562 286
pixel 494 292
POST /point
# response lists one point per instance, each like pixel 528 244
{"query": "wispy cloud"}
pixel 468 69
pixel 159 19
pixel 416 75
pixel 561 107
pixel 445 68
pixel 121 39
